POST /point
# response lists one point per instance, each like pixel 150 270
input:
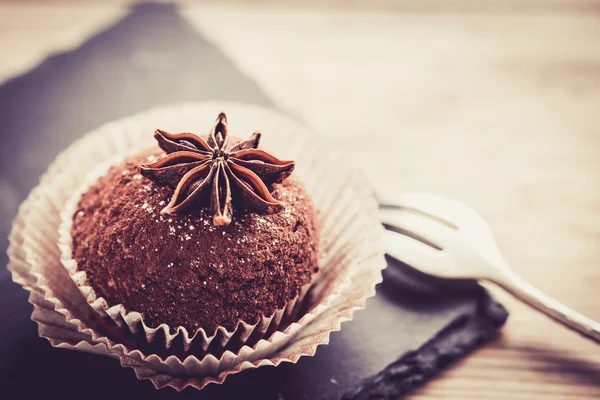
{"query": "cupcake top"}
pixel 191 238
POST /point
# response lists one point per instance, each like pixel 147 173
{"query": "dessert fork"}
pixel 446 239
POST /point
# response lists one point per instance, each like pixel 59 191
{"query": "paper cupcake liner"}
pixel 351 253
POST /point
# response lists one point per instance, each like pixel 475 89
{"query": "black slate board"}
pixel 153 57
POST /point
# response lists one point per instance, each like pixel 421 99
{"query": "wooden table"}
pixel 493 103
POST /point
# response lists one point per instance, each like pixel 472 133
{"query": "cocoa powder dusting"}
pixel 182 270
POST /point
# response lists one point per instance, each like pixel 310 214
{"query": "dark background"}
pixel 43 111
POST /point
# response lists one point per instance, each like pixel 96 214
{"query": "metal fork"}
pixel 448 240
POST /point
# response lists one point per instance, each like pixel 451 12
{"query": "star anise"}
pixel 197 168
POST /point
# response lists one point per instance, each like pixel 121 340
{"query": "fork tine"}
pixel 417 226
pixel 444 210
pixel 412 252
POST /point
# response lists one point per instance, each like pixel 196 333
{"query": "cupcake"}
pixel 168 254
pixel 198 233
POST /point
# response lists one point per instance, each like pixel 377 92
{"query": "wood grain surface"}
pixel 494 103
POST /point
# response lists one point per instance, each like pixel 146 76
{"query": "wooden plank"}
pixel 493 103
pixel 29 33
pixel 497 110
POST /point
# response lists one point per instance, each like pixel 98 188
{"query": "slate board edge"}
pixel 464 334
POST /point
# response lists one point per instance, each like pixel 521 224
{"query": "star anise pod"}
pixel 197 168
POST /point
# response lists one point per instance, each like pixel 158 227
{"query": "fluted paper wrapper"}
pixel 70 315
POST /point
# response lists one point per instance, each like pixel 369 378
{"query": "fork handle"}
pixel 524 291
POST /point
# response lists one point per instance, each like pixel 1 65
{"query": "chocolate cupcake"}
pixel 207 233
pixel 139 232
